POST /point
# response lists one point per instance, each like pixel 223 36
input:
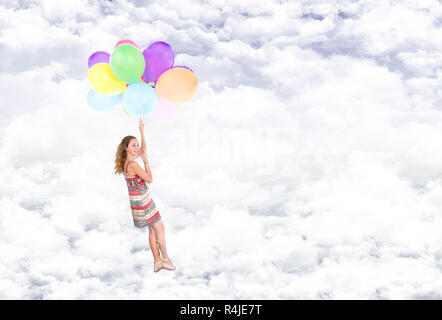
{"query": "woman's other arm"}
pixel 146 166
pixel 146 175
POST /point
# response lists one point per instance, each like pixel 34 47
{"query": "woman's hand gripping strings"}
pixel 143 151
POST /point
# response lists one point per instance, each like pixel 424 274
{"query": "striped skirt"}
pixel 144 211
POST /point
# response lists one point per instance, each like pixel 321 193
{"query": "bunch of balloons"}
pixel 145 81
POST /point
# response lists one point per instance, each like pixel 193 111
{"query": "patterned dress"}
pixel 144 211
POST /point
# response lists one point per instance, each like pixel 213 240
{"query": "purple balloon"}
pixel 98 57
pixel 159 57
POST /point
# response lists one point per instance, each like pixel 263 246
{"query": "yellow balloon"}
pixel 103 80
pixel 177 85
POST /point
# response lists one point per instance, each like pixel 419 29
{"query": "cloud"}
pixel 306 167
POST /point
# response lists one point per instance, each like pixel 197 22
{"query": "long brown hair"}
pixel 121 154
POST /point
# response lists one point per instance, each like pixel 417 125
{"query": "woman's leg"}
pixel 160 234
pixel 153 244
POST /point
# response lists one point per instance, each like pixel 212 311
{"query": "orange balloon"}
pixel 177 85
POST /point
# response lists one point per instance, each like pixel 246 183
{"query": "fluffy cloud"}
pixel 306 166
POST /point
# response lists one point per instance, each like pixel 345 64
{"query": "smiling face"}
pixel 133 149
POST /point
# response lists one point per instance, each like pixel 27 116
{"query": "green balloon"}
pixel 127 63
pixel 127 113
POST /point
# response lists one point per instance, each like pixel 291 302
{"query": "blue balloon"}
pixel 100 102
pixel 139 98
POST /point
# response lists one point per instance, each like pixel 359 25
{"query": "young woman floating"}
pixel 144 211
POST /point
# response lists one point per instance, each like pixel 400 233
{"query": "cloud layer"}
pixel 306 167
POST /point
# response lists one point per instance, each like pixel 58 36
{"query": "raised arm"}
pixel 143 142
pixel 143 154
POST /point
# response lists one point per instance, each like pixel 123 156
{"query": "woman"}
pixel 144 211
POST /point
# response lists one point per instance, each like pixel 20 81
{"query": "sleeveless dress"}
pixel 144 211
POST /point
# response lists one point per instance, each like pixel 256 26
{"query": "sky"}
pixel 307 166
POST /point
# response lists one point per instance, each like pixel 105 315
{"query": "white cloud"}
pixel 307 165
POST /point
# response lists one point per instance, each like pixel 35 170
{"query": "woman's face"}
pixel 133 149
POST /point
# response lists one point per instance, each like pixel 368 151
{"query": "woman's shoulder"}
pixel 130 164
